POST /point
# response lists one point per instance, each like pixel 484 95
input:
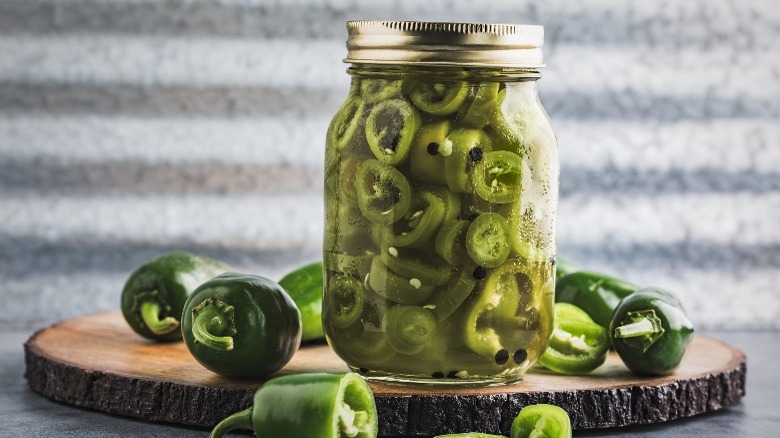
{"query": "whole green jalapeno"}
pixel 304 285
pixel 308 405
pixel 241 326
pixel 564 266
pixel 595 293
pixel 650 331
pixel 154 295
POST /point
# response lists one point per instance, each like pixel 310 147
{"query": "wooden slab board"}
pixel 97 362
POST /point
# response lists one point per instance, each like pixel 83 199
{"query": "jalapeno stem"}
pixel 210 320
pixel 641 329
pixel 239 420
pixel 150 313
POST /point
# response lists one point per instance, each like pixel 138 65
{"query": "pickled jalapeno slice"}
pixel 423 217
pixel 376 90
pixel 438 98
pixel 345 300
pixel 396 288
pixel 497 177
pixel 451 200
pixel 446 300
pixel 383 192
pixel 541 420
pixel 487 240
pixel 494 322
pixel 409 328
pixel 426 161
pixel 346 122
pixel 348 170
pixel 365 348
pixel 355 265
pixel 450 241
pixel 463 148
pixel 390 128
pixel 484 101
pixel 409 264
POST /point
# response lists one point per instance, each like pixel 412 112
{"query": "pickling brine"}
pixel 441 185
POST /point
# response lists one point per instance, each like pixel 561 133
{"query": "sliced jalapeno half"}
pixel 345 300
pixel 423 217
pixel 463 148
pixel 409 328
pixel 426 158
pixel 497 177
pixel 383 192
pixel 541 420
pixel 578 345
pixel 487 240
pixel 395 287
pixel 390 128
pixel 438 98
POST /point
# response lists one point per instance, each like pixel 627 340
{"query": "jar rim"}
pixel 444 43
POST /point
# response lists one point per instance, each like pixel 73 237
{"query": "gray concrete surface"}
pixel 133 127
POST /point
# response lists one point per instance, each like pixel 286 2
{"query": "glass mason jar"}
pixel 441 189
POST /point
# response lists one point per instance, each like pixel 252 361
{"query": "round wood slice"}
pixel 97 362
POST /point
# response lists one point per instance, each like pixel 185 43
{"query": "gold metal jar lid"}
pixel 439 43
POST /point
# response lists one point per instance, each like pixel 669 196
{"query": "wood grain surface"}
pixel 97 362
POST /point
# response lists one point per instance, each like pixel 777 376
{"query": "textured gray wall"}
pixel 132 127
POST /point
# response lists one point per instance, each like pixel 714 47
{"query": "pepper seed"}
pixel 479 273
pixel 433 148
pixel 452 375
pixel 502 356
pixel 475 154
pixel 520 356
